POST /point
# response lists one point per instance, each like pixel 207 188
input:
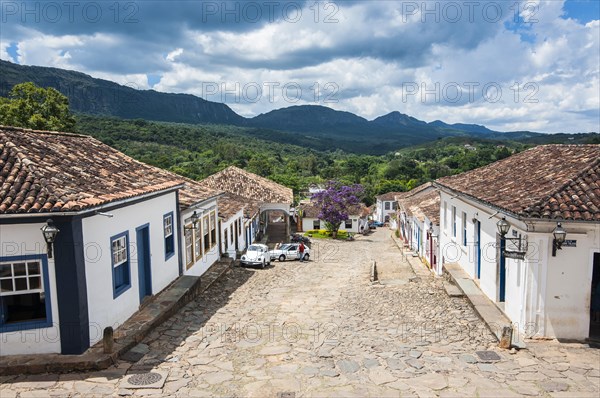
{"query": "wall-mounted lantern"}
pixel 430 230
pixel 559 238
pixel 193 221
pixel 520 244
pixel 50 231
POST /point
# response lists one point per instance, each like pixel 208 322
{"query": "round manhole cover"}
pixel 144 379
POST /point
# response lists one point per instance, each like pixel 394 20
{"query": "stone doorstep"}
pixel 178 294
pixel 487 310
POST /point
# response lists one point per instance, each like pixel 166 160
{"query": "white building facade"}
pixel 116 240
pixel 386 206
pixel 544 292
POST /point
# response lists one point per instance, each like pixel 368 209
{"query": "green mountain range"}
pixel 313 126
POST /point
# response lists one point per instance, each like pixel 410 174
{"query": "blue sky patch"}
pixel 583 11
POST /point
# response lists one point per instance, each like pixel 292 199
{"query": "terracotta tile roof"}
pixel 43 172
pixel 421 201
pixel 388 197
pixel 230 204
pixel 194 192
pixel 310 210
pixel 366 211
pixel 248 185
pixel 548 182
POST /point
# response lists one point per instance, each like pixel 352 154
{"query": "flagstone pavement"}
pixel 322 329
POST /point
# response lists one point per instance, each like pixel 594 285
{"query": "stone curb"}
pixel 94 358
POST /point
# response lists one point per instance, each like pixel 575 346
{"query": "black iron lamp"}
pixel 503 227
pixel 518 243
pixel 430 230
pixel 49 231
pixel 559 238
pixel 193 220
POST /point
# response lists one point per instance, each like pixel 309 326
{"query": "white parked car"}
pixel 289 251
pixel 256 254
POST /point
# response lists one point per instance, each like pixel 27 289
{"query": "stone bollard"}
pixel 506 338
pixel 374 276
pixel 108 340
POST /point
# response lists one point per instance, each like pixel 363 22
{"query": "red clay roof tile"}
pixel 548 181
pixel 43 171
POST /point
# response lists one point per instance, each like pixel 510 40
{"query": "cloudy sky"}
pixel 509 65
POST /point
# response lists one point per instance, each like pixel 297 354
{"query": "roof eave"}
pixel 92 209
pixel 510 213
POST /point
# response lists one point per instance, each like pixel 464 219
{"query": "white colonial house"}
pixel 505 225
pixel 112 237
pixel 355 223
pixel 198 226
pixel 262 199
pixel 418 223
pixel 386 206
pixel 236 214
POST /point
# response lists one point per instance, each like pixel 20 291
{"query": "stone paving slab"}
pixel 487 310
pixel 139 325
pixel 322 329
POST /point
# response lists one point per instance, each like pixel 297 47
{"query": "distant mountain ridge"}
pixel 102 97
pixel 325 126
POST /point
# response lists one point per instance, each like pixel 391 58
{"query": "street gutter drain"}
pixel 144 379
pixel 286 394
pixel 488 356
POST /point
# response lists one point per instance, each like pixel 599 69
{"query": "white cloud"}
pixel 365 61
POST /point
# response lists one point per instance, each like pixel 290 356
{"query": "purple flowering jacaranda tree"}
pixel 335 202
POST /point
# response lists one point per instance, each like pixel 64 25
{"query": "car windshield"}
pixel 254 248
pixel 286 247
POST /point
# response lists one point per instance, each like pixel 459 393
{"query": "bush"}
pixel 324 234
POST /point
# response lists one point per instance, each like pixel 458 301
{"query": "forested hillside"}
pixel 197 151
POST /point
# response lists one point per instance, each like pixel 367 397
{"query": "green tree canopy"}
pixel 35 107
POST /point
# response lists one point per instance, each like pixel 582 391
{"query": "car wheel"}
pixel 282 258
pixel 263 265
pixel 306 257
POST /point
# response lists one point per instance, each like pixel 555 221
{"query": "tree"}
pixel 35 107
pixel 260 164
pixel 335 203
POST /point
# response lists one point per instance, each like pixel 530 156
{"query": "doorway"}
pixel 144 266
pixel 595 300
pixel 501 244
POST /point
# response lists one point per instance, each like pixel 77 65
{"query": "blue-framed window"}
pixel 169 235
pixel 454 221
pixel 119 250
pixel 24 293
pixel 464 228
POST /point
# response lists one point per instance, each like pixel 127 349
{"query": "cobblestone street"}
pixel 322 329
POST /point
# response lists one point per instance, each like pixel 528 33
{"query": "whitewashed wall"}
pixel 568 287
pixel 453 250
pixel 381 212
pixel 545 296
pixel 26 239
pixel 307 224
pixel 226 226
pixel 209 258
pixel 103 309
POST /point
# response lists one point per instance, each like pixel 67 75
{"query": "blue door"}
pixel 502 292
pixel 478 248
pixel 143 255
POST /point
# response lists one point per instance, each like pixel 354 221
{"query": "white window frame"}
pixel 27 277
pixel 119 250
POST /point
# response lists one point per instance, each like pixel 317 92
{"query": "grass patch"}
pixel 324 234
